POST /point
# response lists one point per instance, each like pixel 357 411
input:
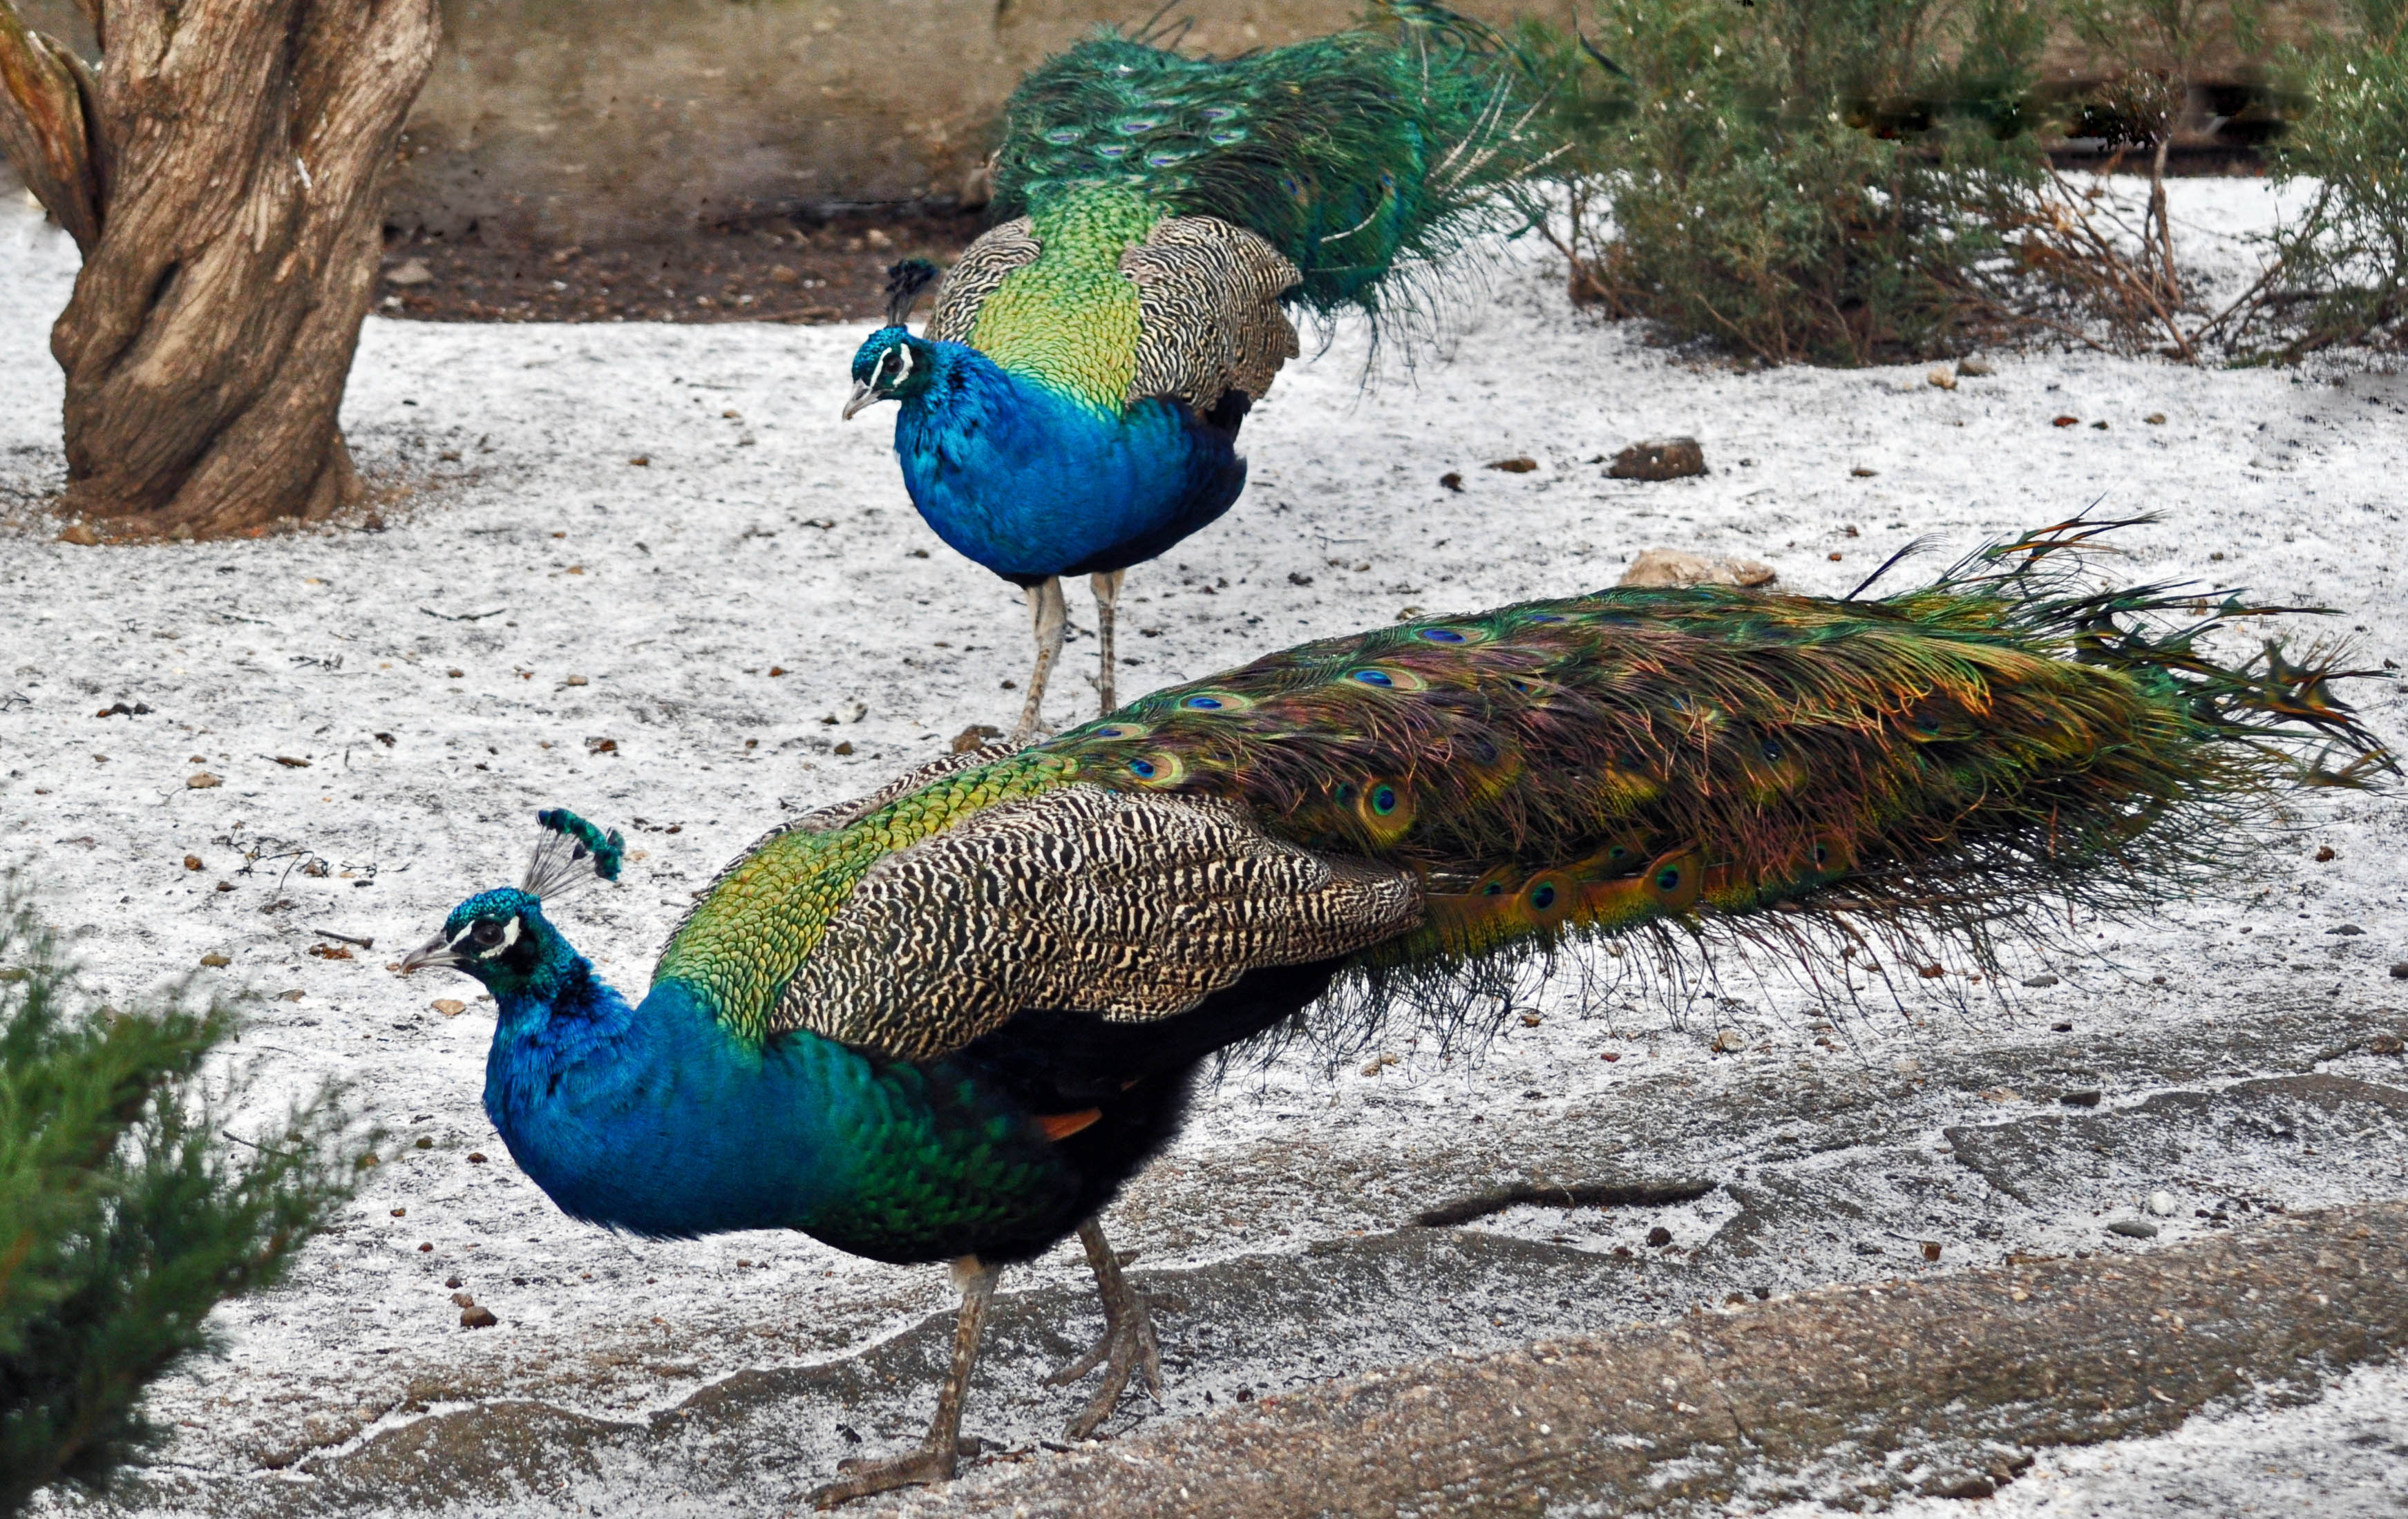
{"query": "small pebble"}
pixel 2348 930
pixel 192 862
pixel 2133 1228
pixel 2162 1204
pixel 477 1318
pixel 448 1006
pixel 1660 1237
pixel 451 1281
pixel 2088 1098
pixel 1730 1042
pixel 2043 979
pixel 1932 1249
pixel 1973 370
pixel 2400 971
pixel 215 961
pixel 476 1157
pixel 2387 1044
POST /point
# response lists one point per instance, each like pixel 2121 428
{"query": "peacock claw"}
pixel 1126 1347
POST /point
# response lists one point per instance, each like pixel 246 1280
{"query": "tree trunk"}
pixel 221 176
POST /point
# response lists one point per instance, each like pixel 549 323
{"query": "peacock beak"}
pixel 862 396
pixel 435 952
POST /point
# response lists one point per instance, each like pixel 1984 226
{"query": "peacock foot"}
pixel 865 1476
pixel 1128 1346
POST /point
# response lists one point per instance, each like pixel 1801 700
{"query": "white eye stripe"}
pixel 510 936
pixel 899 356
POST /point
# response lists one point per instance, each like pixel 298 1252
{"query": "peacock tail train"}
pixel 1449 790
pixel 1353 155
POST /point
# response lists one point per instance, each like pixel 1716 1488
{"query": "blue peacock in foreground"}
pixel 948 1020
pixel 1072 407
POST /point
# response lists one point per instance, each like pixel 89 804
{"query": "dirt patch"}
pixel 791 270
pixel 1953 1383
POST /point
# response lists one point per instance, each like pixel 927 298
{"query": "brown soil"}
pixel 796 271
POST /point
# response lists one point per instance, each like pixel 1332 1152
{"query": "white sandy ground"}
pixel 580 598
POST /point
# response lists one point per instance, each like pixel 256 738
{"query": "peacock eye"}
pixel 486 933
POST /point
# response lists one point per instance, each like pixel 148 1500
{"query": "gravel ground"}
pixel 640 569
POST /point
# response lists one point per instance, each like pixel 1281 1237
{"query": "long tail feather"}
pixel 1358 156
pixel 2008 741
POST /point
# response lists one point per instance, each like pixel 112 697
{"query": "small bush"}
pixel 2344 277
pixel 1798 179
pixel 125 1215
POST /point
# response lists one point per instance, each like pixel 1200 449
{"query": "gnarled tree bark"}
pixel 220 174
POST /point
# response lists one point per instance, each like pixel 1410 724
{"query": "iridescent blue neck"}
pixel 1030 480
pixel 654 1118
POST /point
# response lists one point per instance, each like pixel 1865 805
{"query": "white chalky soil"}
pixel 753 622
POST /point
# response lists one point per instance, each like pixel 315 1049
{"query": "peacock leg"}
pixel 1127 1344
pixel 939 1451
pixel 1108 592
pixel 1050 619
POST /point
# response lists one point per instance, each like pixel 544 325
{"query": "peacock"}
pixel 1072 406
pixel 946 1022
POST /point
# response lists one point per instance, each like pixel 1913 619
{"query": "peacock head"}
pixel 891 364
pixel 501 937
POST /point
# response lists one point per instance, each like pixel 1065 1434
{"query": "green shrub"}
pixel 125 1214
pixel 1815 179
pixel 2343 278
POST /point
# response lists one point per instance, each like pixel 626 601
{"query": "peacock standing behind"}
pixel 948 1020
pixel 1072 407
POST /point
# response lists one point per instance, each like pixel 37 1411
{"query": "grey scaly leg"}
pixel 939 1451
pixel 1050 619
pixel 1127 1344
pixel 1107 590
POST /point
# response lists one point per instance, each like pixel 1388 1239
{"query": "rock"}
pixel 846 747
pixel 1860 472
pixel 449 1007
pixel 1941 379
pixel 477 1318
pixel 2400 971
pixel 2385 1045
pixel 451 1281
pixel 2155 418
pixel 1657 569
pixel 1452 480
pixel 2162 1204
pixel 577 681
pixel 476 1157
pixel 1523 466
pixel 1660 1237
pixel 80 534
pixel 977 734
pixel 192 862
pixel 413 272
pixel 1974 369
pixel 1932 1249
pixel 202 782
pixel 215 961
pixel 2065 422
pixel 2088 1098
pixel 1728 1041
pixel 2348 930
pixel 1668 458
pixel 2043 979
pixel 2133 1228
